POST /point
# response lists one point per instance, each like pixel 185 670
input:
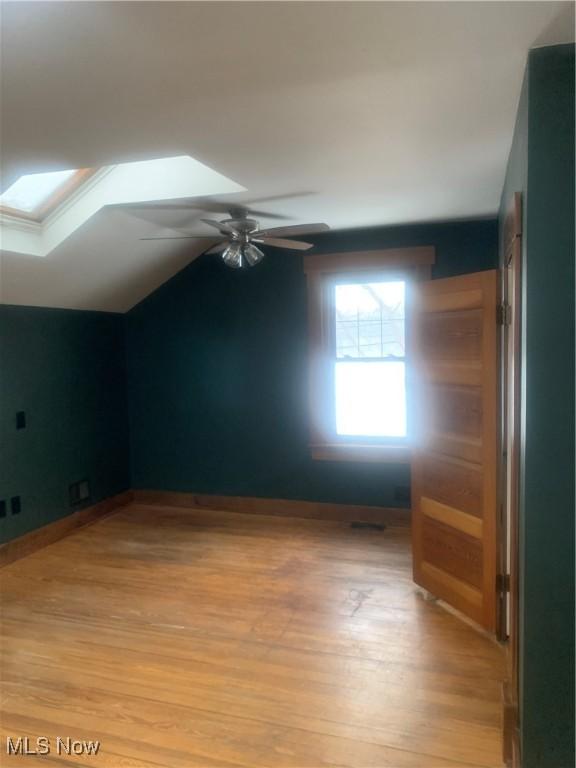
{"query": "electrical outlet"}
pixel 20 419
pixel 79 492
pixel 15 505
pixel 84 490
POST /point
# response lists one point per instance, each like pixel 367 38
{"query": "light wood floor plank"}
pixel 203 638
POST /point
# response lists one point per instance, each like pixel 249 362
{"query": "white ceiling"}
pixel 380 112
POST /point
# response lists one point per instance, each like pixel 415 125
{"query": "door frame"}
pixel 511 394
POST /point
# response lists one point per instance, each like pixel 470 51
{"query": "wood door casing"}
pixel 454 469
pixel 511 414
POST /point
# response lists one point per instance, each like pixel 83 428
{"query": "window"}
pixel 369 375
pixel 35 195
pixel 358 361
pixel 33 190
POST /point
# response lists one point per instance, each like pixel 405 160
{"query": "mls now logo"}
pixel 43 746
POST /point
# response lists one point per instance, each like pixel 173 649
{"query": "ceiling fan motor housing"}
pixel 242 226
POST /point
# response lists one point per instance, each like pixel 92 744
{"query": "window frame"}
pixel 324 272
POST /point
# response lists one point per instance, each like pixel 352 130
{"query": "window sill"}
pixel 384 454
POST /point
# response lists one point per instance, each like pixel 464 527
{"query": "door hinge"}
pixel 503 314
pixel 503 582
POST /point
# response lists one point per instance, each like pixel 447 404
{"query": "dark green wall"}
pixel 66 370
pixel 542 167
pixel 548 461
pixel 217 374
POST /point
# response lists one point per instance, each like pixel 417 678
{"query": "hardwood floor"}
pixel 198 638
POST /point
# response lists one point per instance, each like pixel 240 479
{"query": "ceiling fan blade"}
pixel 179 237
pixel 277 242
pixel 273 198
pixel 183 221
pixel 233 210
pixel 297 229
pixel 265 214
pixel 181 204
pixel 218 248
pixel 155 205
pixel 221 226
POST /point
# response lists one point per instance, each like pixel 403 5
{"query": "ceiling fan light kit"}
pixel 239 255
pixel 240 233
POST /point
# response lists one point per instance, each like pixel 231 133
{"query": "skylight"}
pixel 34 190
pixel 41 210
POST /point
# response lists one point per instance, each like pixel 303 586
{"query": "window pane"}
pixel 30 191
pixel 369 320
pixel 370 399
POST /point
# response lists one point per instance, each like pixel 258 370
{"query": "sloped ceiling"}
pixel 368 113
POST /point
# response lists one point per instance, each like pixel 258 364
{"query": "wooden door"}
pixel 454 470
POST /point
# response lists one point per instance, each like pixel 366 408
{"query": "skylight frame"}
pixel 59 196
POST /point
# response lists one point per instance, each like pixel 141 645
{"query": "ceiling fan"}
pixel 240 232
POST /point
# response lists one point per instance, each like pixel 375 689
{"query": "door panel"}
pixel 453 483
pixel 454 469
pixel 455 552
pixel 458 411
pixel 453 335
